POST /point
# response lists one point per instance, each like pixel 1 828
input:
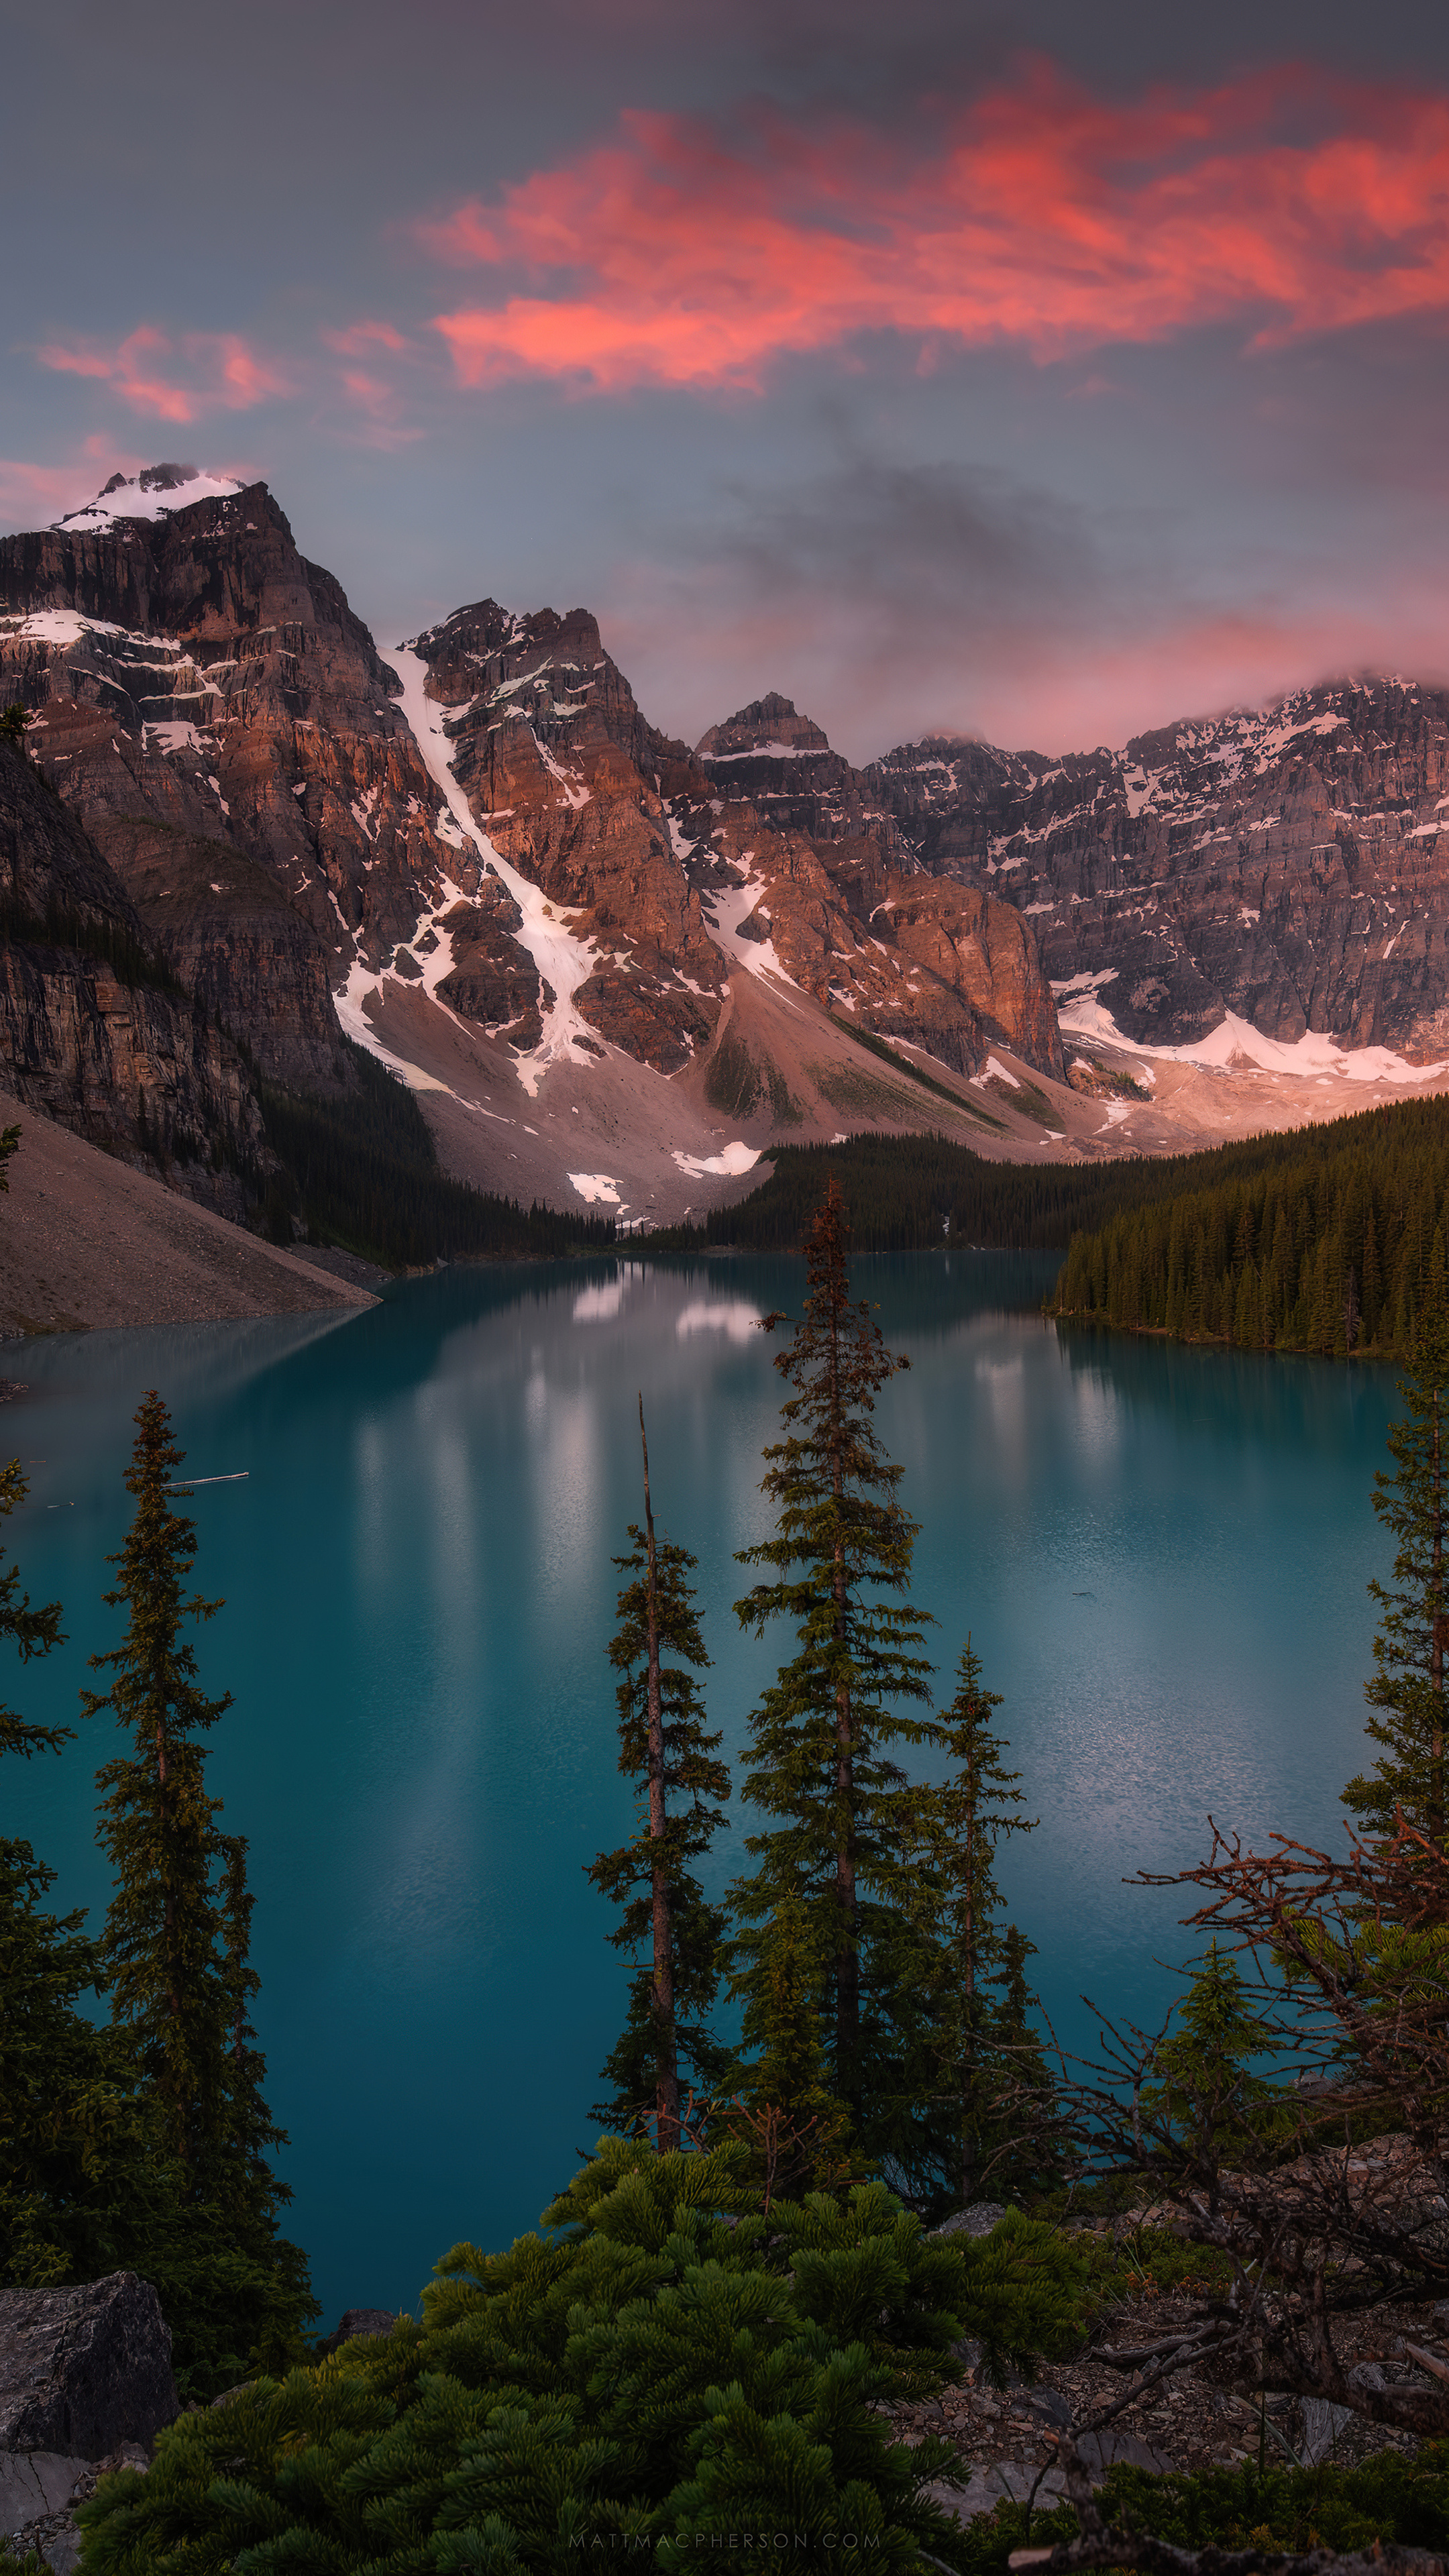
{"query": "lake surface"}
pixel 1161 1555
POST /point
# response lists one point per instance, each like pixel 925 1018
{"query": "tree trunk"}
pixel 847 1956
pixel 1436 1652
pixel 666 2045
pixel 1437 1647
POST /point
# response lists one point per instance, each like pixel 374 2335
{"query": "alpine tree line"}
pixel 1328 1250
pixel 916 1193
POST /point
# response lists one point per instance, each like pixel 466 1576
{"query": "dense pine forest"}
pixel 1324 1247
pixel 916 1193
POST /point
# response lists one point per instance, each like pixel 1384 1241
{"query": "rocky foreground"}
pixel 86 2385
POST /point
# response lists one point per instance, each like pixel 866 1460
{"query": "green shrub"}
pixel 662 2368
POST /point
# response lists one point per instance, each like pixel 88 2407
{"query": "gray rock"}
pixel 359 2321
pixel 1100 2452
pixel 84 2369
pixel 1322 2425
pixel 35 2483
pixel 977 2219
pixel 55 2536
pixel 1051 2407
pixel 1004 2481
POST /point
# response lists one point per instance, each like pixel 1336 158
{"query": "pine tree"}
pixel 973 2047
pixel 838 1565
pixel 59 2104
pixel 164 1938
pixel 175 1957
pixel 1031 2156
pixel 30 1632
pixel 785 2114
pixel 1407 1689
pixel 666 1748
pixel 1204 2090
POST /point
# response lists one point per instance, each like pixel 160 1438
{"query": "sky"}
pixel 1022 371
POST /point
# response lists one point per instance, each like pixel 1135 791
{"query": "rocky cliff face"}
pixel 564 775
pixel 204 697
pixel 682 868
pixel 207 706
pixel 1290 866
pixel 781 764
pixel 89 1035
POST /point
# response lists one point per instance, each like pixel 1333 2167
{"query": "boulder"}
pixel 977 2219
pixel 84 2369
pixel 52 2532
pixel 1110 2449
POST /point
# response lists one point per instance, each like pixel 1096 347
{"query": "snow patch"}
pixel 563 961
pixel 171 738
pixel 1236 1041
pixel 152 494
pixel 731 906
pixel 735 1159
pixel 595 1187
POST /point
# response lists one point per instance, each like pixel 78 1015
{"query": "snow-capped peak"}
pixel 152 494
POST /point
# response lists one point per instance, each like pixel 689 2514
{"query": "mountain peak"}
pixel 152 494
pixel 768 725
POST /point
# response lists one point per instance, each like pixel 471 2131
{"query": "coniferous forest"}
pixel 711 2339
pixel 1325 1247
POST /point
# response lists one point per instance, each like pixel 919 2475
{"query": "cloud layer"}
pixel 1038 215
pixel 181 379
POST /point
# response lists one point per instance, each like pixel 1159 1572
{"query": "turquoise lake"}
pixel 1161 1554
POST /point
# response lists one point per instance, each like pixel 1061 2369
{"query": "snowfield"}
pixel 563 961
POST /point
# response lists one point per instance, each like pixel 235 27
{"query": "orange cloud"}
pixel 178 380
pixel 1039 216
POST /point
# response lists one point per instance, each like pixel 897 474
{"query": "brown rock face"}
pixel 208 706
pixel 906 957
pixel 563 773
pixel 86 1034
pixel 1290 865
pixel 781 763
pixel 241 706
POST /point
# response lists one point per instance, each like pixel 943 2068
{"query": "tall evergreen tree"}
pixel 956 1825
pixel 175 1956
pixel 838 1568
pixel 30 1632
pixel 164 1938
pixel 665 1746
pixel 59 2106
pixel 1407 1689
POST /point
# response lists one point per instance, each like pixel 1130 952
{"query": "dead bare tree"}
pixel 1328 2194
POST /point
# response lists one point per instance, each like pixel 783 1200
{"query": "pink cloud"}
pixel 179 379
pixel 361 337
pixel 1039 215
pixel 370 390
pixel 31 495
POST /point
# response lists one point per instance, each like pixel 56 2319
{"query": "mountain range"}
pixel 614 968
